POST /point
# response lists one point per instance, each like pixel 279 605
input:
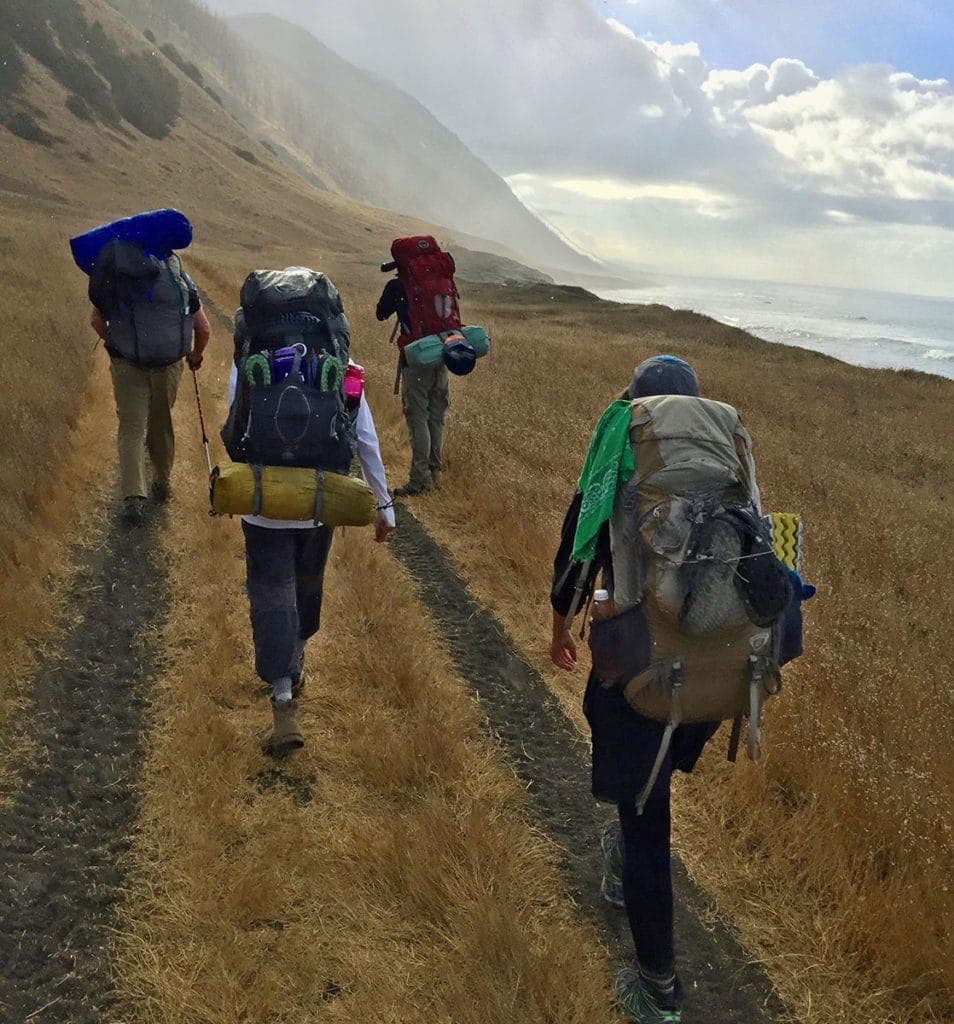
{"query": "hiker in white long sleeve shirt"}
pixel 285 563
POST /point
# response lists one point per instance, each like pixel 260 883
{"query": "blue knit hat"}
pixel 663 375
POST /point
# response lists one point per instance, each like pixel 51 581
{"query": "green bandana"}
pixel 609 464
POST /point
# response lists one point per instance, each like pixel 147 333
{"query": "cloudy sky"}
pixel 796 141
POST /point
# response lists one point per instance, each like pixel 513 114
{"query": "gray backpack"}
pixel 700 591
pixel 149 304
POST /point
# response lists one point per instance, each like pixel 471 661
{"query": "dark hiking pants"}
pixel 285 575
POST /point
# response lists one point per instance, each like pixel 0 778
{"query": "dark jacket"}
pixel 394 300
pixel 625 743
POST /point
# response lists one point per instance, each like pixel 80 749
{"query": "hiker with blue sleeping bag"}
pixel 297 403
pixel 694 616
pixel 147 311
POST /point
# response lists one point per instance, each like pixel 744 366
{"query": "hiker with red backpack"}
pixel 293 406
pixel 431 341
pixel 691 624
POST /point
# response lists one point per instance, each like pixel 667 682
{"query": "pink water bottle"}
pixel 353 385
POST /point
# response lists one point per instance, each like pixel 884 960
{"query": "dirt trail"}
pixel 67 830
pixel 552 759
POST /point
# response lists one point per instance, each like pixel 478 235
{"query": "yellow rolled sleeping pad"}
pixel 282 492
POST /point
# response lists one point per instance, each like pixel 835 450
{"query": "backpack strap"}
pixel 676 675
pixel 257 498
pixel 756 681
pixel 734 737
pixel 319 494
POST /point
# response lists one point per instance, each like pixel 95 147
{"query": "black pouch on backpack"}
pixel 762 581
pixel 620 646
pixel 290 424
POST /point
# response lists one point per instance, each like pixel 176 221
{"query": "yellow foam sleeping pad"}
pixel 281 492
pixel 787 529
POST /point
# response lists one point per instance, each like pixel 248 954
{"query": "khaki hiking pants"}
pixel 425 397
pixel 144 401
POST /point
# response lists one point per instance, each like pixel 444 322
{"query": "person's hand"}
pixel 194 359
pixel 382 530
pixel 563 650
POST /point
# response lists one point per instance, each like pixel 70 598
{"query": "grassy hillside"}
pixel 65 167
pixel 834 858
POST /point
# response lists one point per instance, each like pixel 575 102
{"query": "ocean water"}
pixel 878 329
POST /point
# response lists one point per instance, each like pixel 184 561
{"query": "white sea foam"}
pixel 876 329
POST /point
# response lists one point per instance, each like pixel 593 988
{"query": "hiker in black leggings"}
pixel 625 743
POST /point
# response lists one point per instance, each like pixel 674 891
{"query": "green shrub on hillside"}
pixel 144 92
pixel 11 66
pixel 78 107
pixel 26 126
pixel 88 63
pixel 185 66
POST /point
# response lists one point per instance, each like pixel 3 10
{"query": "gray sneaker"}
pixel 409 490
pixel 611 843
pixel 643 1003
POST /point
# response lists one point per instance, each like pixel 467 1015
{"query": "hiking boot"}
pixel 611 842
pixel 161 491
pixel 409 490
pixel 436 479
pixel 286 732
pixel 133 511
pixel 644 1001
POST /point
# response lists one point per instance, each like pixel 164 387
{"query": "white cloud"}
pixel 870 132
pixel 565 97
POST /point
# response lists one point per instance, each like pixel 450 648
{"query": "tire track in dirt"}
pixel 723 985
pixel 67 830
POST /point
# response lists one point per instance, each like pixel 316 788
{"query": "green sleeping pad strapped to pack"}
pixel 429 350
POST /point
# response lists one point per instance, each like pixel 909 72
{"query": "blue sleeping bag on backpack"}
pixel 158 232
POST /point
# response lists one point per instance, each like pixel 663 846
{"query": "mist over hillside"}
pixel 346 130
pixel 391 151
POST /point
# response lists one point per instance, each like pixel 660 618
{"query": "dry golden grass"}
pixel 51 418
pixel 386 873
pixel 834 859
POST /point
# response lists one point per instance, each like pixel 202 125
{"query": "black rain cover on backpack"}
pixel 299 419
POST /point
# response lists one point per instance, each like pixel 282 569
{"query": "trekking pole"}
pixel 400 362
pixel 205 436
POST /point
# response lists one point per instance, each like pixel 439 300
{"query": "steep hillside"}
pixel 95 123
pixel 344 129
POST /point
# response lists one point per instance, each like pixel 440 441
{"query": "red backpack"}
pixel 427 274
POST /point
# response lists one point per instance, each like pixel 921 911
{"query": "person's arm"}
pixel 386 305
pixel 369 455
pixel 201 331
pixel 98 322
pixel 566 578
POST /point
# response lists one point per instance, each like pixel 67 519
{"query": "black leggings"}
pixel 647 880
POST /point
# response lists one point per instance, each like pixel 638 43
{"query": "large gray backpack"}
pixel 699 589
pixel 149 304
